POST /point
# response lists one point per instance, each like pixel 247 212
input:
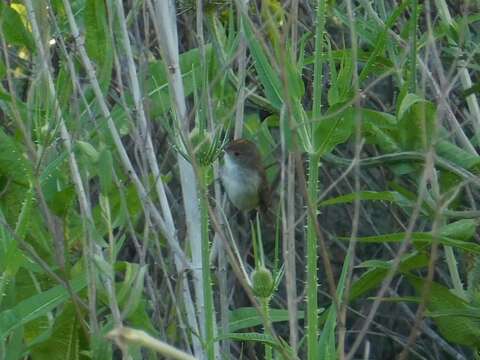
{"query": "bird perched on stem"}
pixel 243 176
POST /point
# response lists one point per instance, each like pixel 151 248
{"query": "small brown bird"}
pixel 243 176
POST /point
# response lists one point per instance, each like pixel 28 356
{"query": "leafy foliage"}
pixel 366 116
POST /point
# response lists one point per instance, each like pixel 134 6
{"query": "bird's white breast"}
pixel 241 184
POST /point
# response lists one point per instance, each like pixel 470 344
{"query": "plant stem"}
pixel 413 48
pixel 209 332
pixel 312 281
pixel 266 312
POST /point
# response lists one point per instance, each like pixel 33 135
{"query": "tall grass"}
pixel 117 240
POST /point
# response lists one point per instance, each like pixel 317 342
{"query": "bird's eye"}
pixel 236 153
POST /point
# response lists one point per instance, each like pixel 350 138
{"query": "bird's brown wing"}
pixel 265 195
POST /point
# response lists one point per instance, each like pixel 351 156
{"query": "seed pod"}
pixel 262 282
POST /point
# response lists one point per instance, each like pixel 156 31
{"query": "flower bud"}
pixel 262 282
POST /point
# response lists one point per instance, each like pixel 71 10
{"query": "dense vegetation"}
pixel 117 240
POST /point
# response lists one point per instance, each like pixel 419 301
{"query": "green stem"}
pixel 312 281
pixel 266 312
pixel 413 50
pixel 207 283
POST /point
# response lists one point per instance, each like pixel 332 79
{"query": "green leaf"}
pixel 53 167
pixel 256 337
pixel 247 317
pixel 457 155
pixel 88 150
pixel 296 88
pixel 157 82
pixel 123 204
pixel 62 199
pixel 36 306
pixel 15 346
pixel 384 138
pixel 341 89
pixel 334 129
pixel 380 128
pixel 472 311
pixel 13 28
pixel 100 347
pixel 419 238
pixel 105 170
pixel 407 103
pixel 326 345
pixel 390 196
pixel 374 276
pixel 140 317
pixel 381 41
pixel 11 258
pixel 66 340
pixel 463 330
pixel 56 184
pixel 300 120
pixel 104 267
pixel 130 290
pixel 64 86
pixel 97 40
pixel 416 121
pixel 462 229
pixel 13 163
pixel 268 77
pixel 412 299
pixel 380 64
pixel 381 119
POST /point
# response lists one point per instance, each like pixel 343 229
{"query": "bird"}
pixel 243 176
